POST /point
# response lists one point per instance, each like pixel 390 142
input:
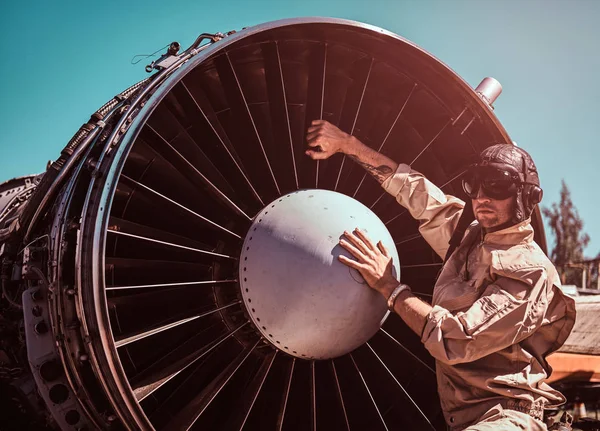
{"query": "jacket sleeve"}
pixel 508 311
pixel 438 213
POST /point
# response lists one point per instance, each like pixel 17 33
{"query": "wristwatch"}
pixel 395 293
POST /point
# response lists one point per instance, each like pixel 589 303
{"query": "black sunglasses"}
pixel 496 183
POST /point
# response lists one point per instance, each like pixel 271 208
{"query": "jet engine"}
pixel 176 267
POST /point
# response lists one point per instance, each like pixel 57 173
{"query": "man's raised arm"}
pixel 437 213
pixel 324 135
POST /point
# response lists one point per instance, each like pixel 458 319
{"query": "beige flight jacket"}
pixel 489 339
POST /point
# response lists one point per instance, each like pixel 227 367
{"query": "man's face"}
pixel 491 213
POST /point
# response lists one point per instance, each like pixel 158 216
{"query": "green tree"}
pixel 570 240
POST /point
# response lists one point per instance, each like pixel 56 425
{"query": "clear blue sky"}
pixel 62 60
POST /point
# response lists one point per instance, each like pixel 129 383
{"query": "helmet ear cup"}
pixel 532 195
pixel 536 195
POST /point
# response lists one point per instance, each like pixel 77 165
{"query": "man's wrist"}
pixel 353 147
pixel 387 288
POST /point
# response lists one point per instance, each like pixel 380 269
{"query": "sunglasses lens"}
pixel 499 189
pixel 471 185
pixel 496 184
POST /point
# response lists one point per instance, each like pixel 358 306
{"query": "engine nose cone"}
pixel 299 295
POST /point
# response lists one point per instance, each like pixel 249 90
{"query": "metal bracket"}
pixel 171 56
pixel 32 257
pixel 165 60
pixel 48 372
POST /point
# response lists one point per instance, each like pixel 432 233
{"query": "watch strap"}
pixel 394 296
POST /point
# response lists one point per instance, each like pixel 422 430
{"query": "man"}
pixel 497 310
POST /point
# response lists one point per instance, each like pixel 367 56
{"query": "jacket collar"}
pixel 521 233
